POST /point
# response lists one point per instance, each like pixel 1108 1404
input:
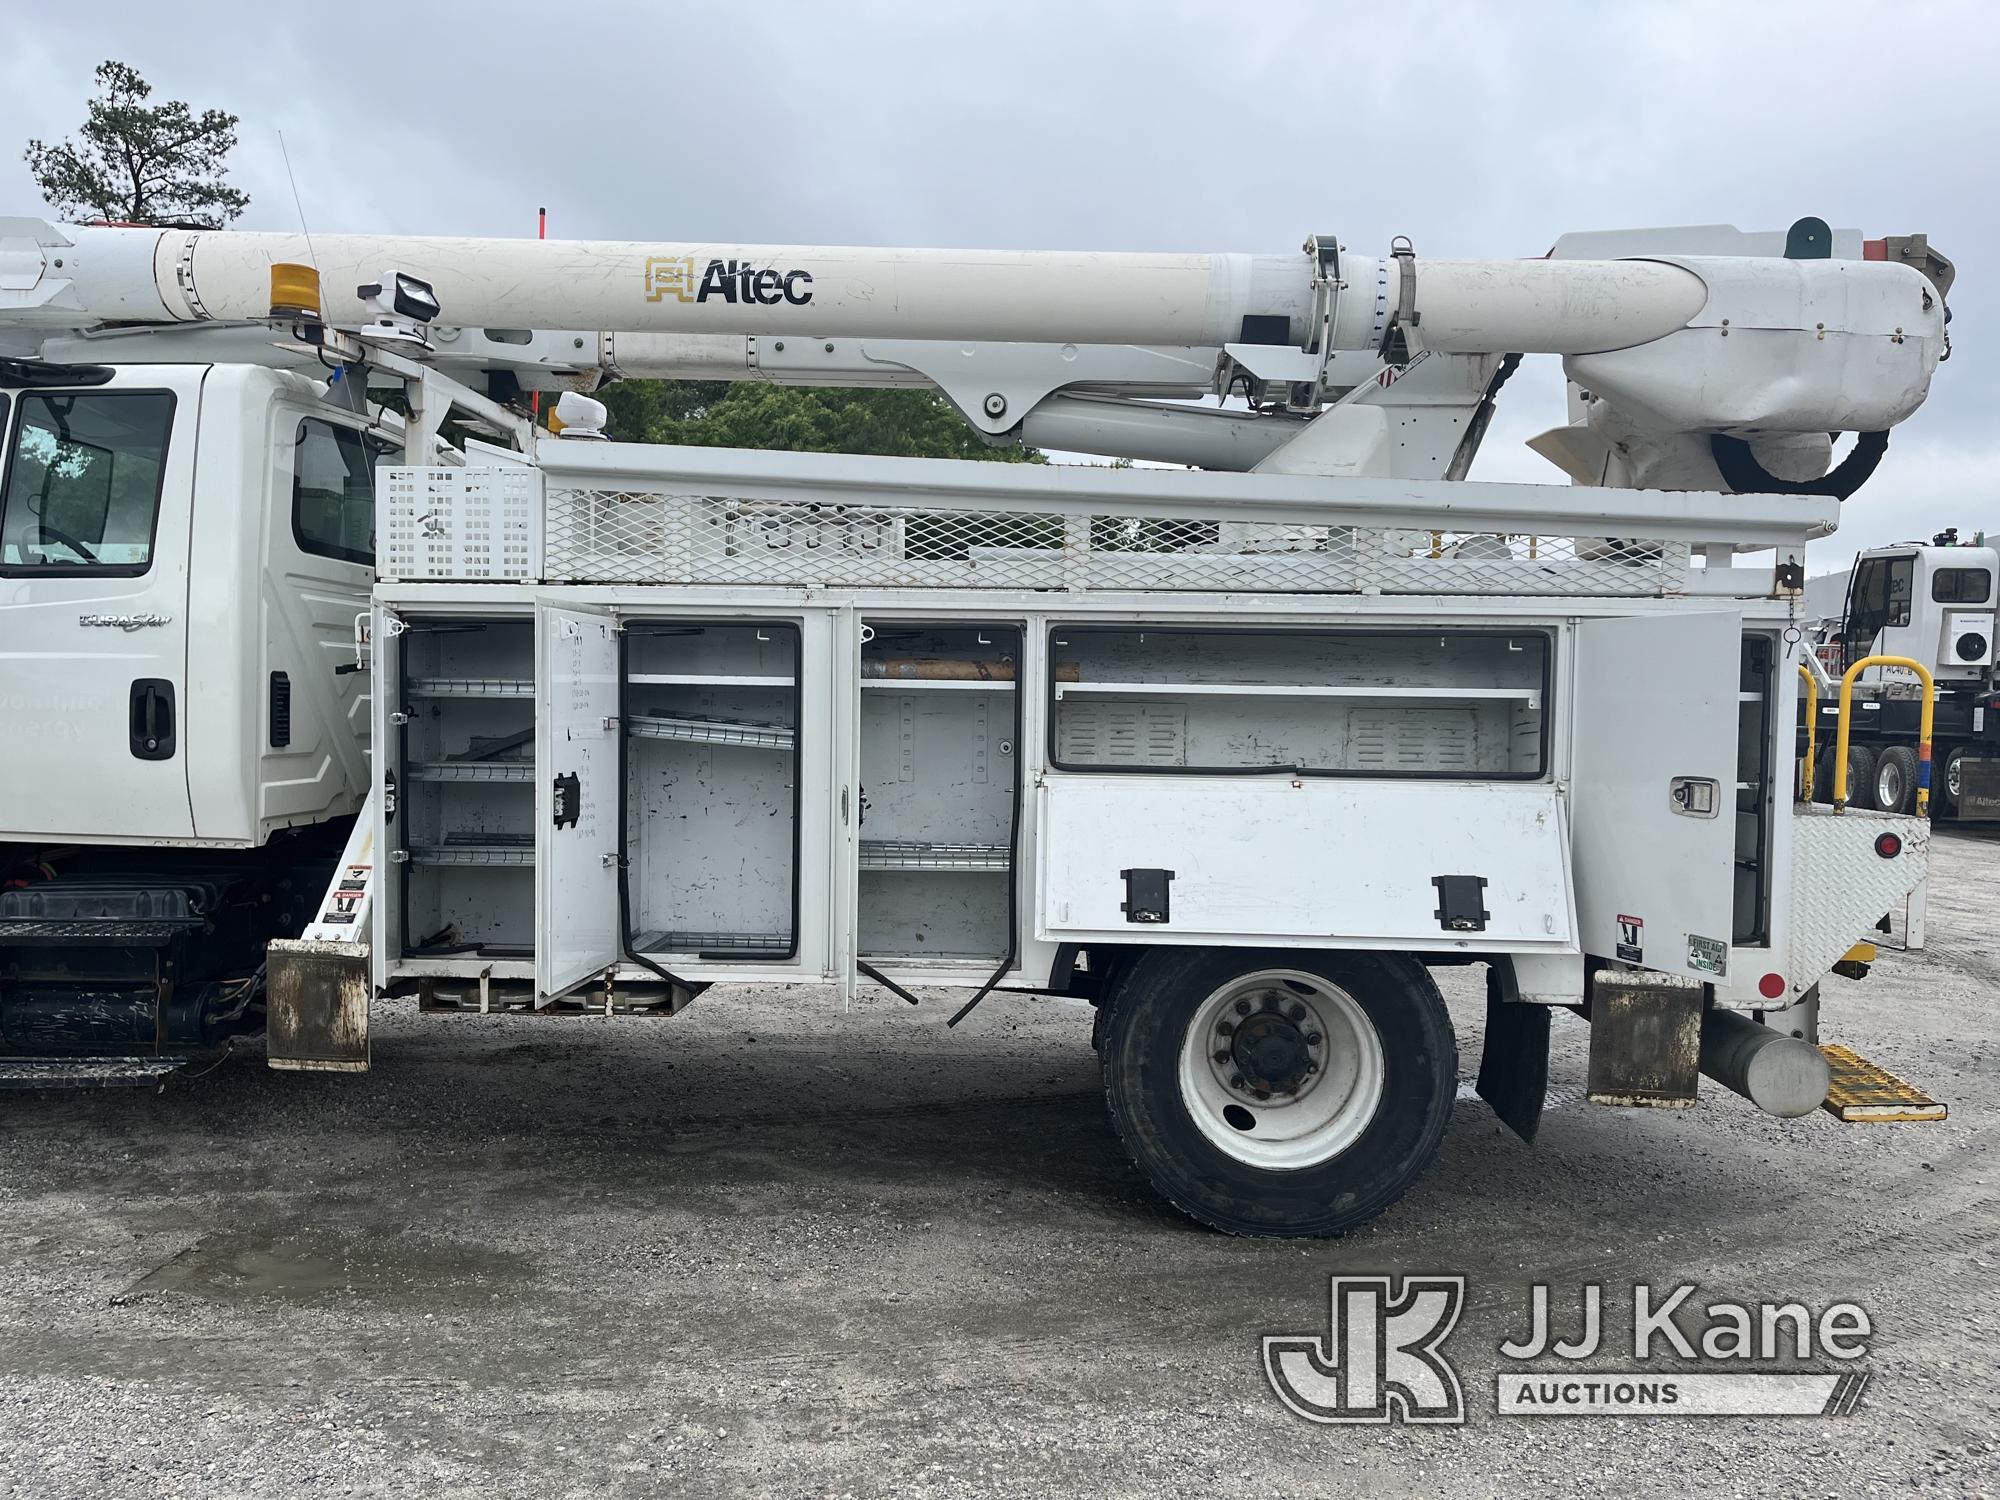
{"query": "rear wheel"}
pixel 1952 779
pixel 1279 1093
pixel 1860 774
pixel 1895 780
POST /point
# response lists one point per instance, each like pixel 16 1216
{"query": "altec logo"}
pixel 737 281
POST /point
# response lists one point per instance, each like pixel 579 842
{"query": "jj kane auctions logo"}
pixel 1382 1359
pixel 737 281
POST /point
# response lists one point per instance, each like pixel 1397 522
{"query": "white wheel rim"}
pixel 1951 776
pixel 1889 784
pixel 1261 1089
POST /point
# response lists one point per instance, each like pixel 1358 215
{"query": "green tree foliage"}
pixel 801 419
pixel 138 162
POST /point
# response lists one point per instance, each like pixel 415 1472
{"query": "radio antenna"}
pixel 297 202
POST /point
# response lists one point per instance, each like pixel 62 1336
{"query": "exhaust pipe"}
pixel 1780 1074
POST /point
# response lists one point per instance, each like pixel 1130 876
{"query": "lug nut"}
pixel 1222 1056
pixel 1227 1028
pixel 1296 1012
pixel 1312 1067
pixel 1242 1007
pixel 1236 1081
pixel 1263 1093
pixel 1312 1038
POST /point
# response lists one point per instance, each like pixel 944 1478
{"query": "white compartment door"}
pixel 1653 789
pixel 578 798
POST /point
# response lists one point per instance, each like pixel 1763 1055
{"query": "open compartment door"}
pixel 579 798
pixel 1653 789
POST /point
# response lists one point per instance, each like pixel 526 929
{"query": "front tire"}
pixel 1274 1093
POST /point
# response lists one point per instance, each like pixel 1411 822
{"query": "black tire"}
pixel 1860 776
pixel 1150 1014
pixel 1893 786
pixel 1822 787
pixel 1949 764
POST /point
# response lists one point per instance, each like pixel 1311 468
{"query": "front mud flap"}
pixel 316 995
pixel 1514 1063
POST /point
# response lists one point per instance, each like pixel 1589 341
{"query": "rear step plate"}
pixel 87 1072
pixel 1863 1094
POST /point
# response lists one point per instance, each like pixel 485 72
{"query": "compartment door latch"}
pixel 1695 796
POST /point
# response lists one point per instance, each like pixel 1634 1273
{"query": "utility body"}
pixel 1240 752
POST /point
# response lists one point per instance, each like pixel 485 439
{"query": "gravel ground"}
pixel 768 1248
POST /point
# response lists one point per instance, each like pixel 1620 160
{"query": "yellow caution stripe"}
pixel 1864 1094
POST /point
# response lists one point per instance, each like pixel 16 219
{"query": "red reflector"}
pixel 1888 845
pixel 1771 986
pixel 1874 249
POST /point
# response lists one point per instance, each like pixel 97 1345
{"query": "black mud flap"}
pixel 316 997
pixel 1514 1064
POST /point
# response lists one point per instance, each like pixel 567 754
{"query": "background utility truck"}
pixel 1241 750
pixel 1933 604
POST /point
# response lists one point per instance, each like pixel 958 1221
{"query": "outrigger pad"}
pixel 1864 1094
pixel 316 997
pixel 1645 1039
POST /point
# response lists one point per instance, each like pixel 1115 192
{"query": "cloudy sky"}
pixel 1477 130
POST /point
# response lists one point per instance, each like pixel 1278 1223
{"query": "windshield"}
pixel 83 480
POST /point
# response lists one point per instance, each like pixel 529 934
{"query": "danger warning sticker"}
pixel 1631 939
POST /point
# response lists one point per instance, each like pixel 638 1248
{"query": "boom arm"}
pixel 1678 347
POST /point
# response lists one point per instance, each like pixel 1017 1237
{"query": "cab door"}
pixel 95 512
pixel 579 796
pixel 1653 789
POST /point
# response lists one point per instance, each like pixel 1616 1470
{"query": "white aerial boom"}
pixel 1671 339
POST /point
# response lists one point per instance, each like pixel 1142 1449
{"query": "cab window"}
pixel 83 481
pixel 333 492
pixel 1960 586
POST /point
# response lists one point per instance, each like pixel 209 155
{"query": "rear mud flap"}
pixel 317 999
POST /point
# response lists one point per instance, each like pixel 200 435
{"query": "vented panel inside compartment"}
pixel 1123 734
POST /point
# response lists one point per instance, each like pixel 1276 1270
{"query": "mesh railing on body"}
pixel 644 536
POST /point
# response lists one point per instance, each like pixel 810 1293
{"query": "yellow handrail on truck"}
pixel 1923 728
pixel 1806 771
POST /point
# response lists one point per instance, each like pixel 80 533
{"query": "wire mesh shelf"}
pixel 903 854
pixel 476 849
pixel 712 942
pixel 472 770
pixel 709 731
pixel 471 687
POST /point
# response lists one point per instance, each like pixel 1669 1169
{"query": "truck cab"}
pixel 1932 603
pixel 184 548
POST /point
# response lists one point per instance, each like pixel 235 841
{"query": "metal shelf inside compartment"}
pixel 472 770
pixel 471 687
pixel 709 731
pixel 477 849
pixel 712 942
pixel 901 854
